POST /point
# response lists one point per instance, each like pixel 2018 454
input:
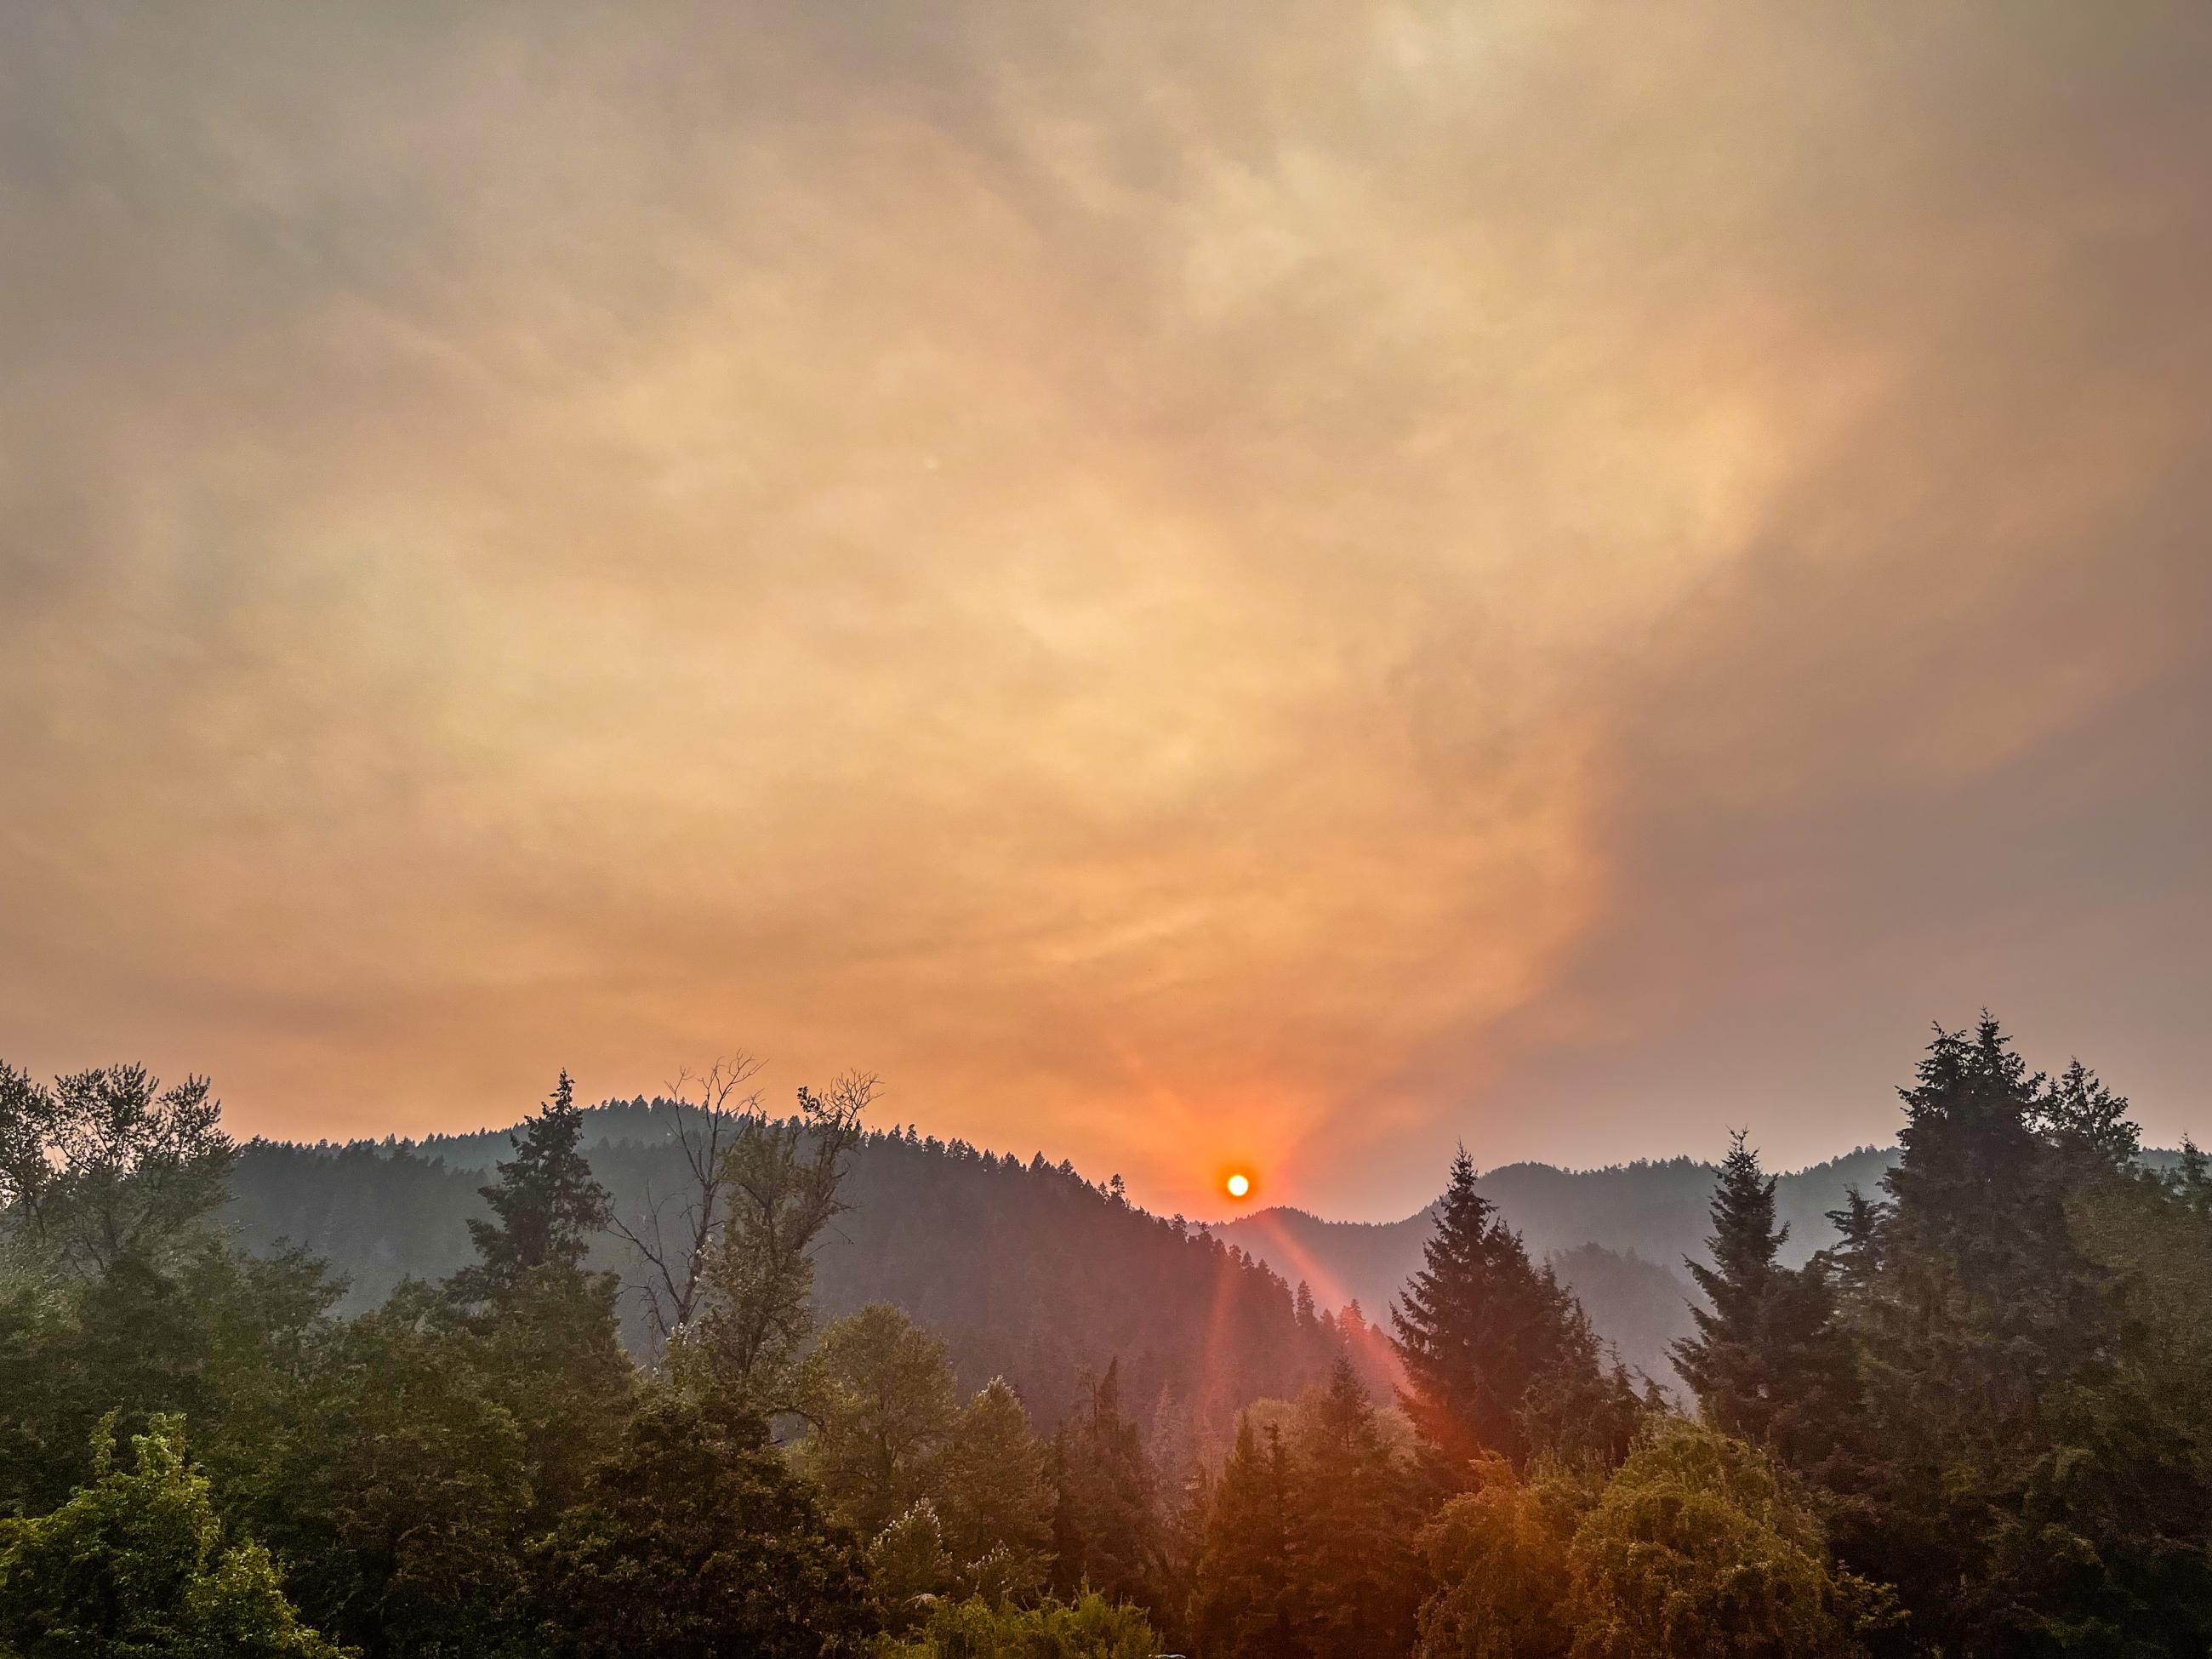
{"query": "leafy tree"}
pixel 1106 1530
pixel 1498 1554
pixel 909 1567
pixel 695 1540
pixel 1350 1521
pixel 1695 1548
pixel 107 1166
pixel 997 1491
pixel 1477 1327
pixel 414 1547
pixel 756 1293
pixel 877 1397
pixel 1768 1362
pixel 1091 1627
pixel 134 1563
pixel 1242 1607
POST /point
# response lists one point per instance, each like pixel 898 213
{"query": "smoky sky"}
pixel 1291 583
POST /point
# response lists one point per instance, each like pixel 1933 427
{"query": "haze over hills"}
pixel 1030 1271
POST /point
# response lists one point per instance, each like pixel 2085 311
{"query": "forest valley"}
pixel 1978 1422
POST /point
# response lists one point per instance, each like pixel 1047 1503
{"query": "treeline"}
pixel 1980 1422
pixel 1026 1270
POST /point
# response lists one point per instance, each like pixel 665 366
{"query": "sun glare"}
pixel 1238 1184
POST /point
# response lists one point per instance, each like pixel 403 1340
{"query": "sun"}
pixel 1238 1184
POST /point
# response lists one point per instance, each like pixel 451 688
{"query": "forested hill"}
pixel 1654 1213
pixel 1024 1269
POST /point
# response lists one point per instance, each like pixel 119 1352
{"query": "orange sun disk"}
pixel 1238 1184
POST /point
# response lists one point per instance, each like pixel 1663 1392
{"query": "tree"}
pixel 1105 1525
pixel 1351 1515
pixel 1242 1607
pixel 907 1566
pixel 546 1206
pixel 134 1563
pixel 675 1250
pixel 107 1166
pixel 694 1540
pixel 1696 1549
pixel 754 1313
pixel 1983 1318
pixel 550 1342
pixel 879 1402
pixel 1476 1326
pixel 1498 1555
pixel 414 1548
pixel 1767 1362
pixel 997 1491
pixel 1091 1627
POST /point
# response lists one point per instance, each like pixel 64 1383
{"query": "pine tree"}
pixel 1351 1526
pixel 1984 1329
pixel 1476 1326
pixel 1241 1605
pixel 1768 1362
pixel 549 1336
pixel 1105 1524
pixel 545 1204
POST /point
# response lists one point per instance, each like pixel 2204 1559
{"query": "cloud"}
pixel 1283 582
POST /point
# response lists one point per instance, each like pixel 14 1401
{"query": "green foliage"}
pixel 1768 1362
pixel 756 1291
pixel 134 1566
pixel 1106 1526
pixel 107 1166
pixel 422 1517
pixel 1242 1605
pixel 1091 1627
pixel 2035 1492
pixel 546 1204
pixel 1498 1556
pixel 909 1567
pixel 1480 1328
pixel 1695 1549
pixel 1352 1516
pixel 877 1396
pixel 997 1495
pixel 695 1541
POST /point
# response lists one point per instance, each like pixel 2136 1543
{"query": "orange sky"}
pixel 1261 584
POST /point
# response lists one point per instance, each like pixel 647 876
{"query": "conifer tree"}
pixel 1985 1324
pixel 1351 1527
pixel 1768 1362
pixel 1477 1325
pixel 1105 1523
pixel 1241 1605
pixel 549 1338
pixel 545 1204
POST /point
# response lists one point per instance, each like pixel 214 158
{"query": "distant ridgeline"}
pixel 1026 1270
pixel 1031 1273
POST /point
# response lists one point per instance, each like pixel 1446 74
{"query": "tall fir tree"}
pixel 1241 1605
pixel 546 1206
pixel 1767 1362
pixel 1106 1528
pixel 546 1325
pixel 1477 1326
pixel 2010 1514
pixel 1352 1522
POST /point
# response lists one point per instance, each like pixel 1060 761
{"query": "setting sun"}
pixel 1238 1185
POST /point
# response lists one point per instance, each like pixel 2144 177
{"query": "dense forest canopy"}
pixel 800 1386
